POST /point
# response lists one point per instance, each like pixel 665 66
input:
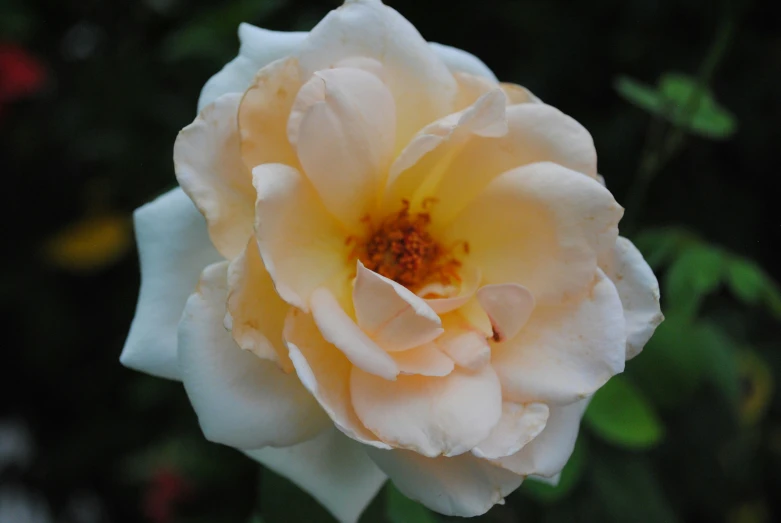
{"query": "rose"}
pixel 420 264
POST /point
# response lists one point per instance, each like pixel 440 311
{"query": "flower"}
pixel 407 268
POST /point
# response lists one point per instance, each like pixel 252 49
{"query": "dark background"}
pixel 92 94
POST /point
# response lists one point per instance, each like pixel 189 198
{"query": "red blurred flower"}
pixel 167 488
pixel 21 74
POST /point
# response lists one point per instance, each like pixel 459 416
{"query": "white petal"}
pixel 463 485
pixel 303 247
pixel 325 372
pixel 340 330
pixel 332 468
pixel 639 293
pixel 241 400
pixel 426 360
pixel 431 415
pixel 392 315
pixel 173 248
pixel 458 60
pixel 466 345
pixel 421 84
pixel 519 425
pixel 259 47
pixel 343 123
pixel 209 168
pixel 565 352
pixel 547 454
pixel 508 305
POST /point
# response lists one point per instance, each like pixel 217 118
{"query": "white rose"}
pixel 407 268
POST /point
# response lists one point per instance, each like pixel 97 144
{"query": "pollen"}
pixel 401 248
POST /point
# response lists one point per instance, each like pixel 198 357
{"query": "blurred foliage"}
pixel 691 432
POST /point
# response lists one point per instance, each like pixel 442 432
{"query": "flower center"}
pixel 401 249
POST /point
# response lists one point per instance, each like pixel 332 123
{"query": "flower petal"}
pixel 340 330
pixel 430 415
pixel 542 226
pixel 519 425
pixel 173 248
pixel 426 360
pixel 458 60
pixel 343 124
pixel 259 47
pixel 256 313
pixel 464 343
pixel 508 305
pixel 463 485
pixel 392 315
pixel 639 293
pixel 332 468
pixel 263 114
pixel 420 82
pixel 207 159
pixel 302 246
pixel 567 351
pixel 325 372
pixel 452 297
pixel 547 454
pixel 241 400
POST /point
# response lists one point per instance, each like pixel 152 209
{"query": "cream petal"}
pixel 392 315
pixel 517 94
pixel 466 345
pixel 302 246
pixel 332 468
pixel 426 360
pixel 519 425
pixel 547 454
pixel 263 114
pixel 430 415
pixel 639 293
pixel 343 123
pixel 256 313
pixel 420 82
pixel 340 330
pixel 463 485
pixel 241 400
pixel 259 47
pixel 458 60
pixel 173 249
pixel 208 164
pixel 455 297
pixel 325 372
pixel 566 351
pixel 542 226
pixel 508 306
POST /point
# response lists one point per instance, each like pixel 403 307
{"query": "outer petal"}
pixel 340 330
pixel 344 122
pixel 325 372
pixel 547 454
pixel 256 313
pixel 392 315
pixel 264 112
pixel 173 248
pixel 426 360
pixel 565 352
pixel 463 485
pixel 421 84
pixel 461 61
pixel 639 292
pixel 519 425
pixel 303 247
pixel 542 226
pixel 208 166
pixel 241 400
pixel 430 415
pixel 334 469
pixel 259 47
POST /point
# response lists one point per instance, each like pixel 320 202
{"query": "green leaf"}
pixel 401 509
pixel 639 94
pixel 570 476
pixel 746 279
pixel 697 272
pixel 620 414
pixel 660 246
pixel 720 361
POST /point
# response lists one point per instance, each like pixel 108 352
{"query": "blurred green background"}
pixel 682 98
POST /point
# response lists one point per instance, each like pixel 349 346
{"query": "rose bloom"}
pixel 406 269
